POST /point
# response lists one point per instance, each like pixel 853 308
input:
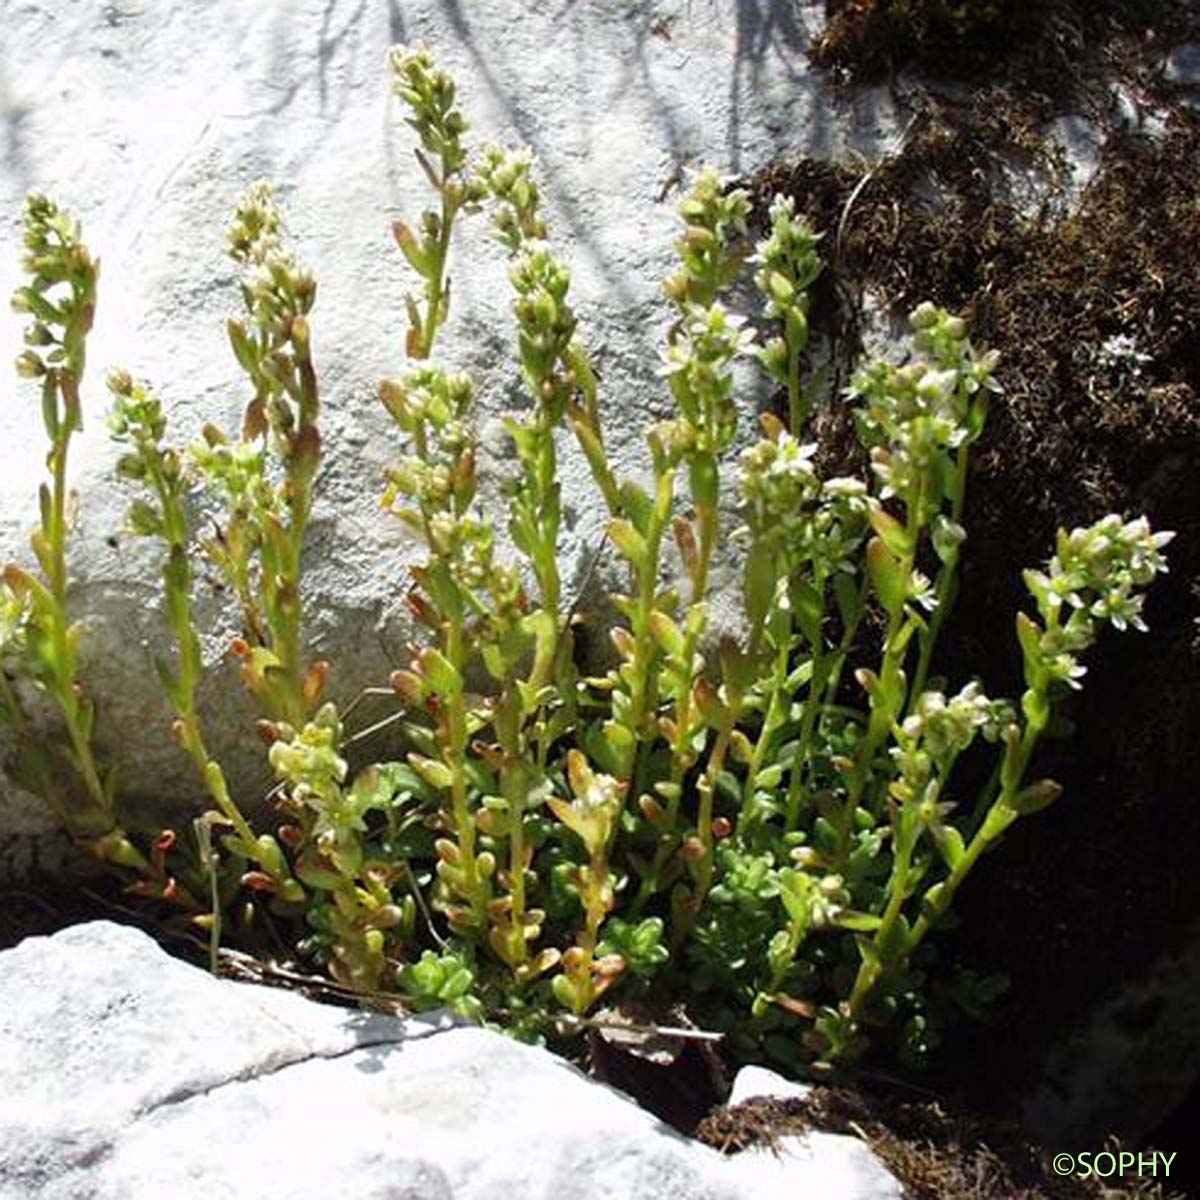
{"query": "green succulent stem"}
pixel 872 968
pixel 643 690
pixel 64 682
pixel 809 717
pixel 878 726
pixel 516 870
pixel 888 699
pixel 686 912
pixel 1000 815
pixel 814 701
pixel 644 683
pixel 945 584
pixel 137 419
pixel 514 788
pixel 797 399
pixel 774 716
pixel 589 432
pixel 837 663
pixel 435 289
pixel 706 523
pixel 57 256
pixel 455 756
pixel 287 635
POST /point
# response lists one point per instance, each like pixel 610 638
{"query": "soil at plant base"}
pixel 42 905
pixel 935 1155
pixel 1097 317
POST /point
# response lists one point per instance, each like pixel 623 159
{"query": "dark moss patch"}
pixel 1037 42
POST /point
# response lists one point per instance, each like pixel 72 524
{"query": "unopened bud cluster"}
pixel 714 215
pixel 54 255
pixel 545 323
pixel 948 726
pixel 788 265
pixel 309 760
pixel 429 92
pixel 507 177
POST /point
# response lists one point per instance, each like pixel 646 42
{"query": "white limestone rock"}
pixel 752 1083
pixel 847 1165
pixel 830 1164
pixel 126 1074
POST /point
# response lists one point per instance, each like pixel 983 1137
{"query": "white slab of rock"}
pixel 828 1163
pixel 126 1074
pixel 761 1083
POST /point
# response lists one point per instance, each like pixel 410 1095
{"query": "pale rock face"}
pixel 1182 66
pixel 761 1083
pixel 148 122
pixel 125 1073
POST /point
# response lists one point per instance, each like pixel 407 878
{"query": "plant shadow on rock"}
pixel 1095 315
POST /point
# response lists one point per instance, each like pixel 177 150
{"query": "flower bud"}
pixel 131 466
pixel 292 836
pixel 120 382
pixel 267 731
pixel 30 366
pixel 924 316
pixel 39 335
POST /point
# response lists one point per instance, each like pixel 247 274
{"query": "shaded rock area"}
pixel 125 1074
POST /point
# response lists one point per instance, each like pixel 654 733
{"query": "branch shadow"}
pixel 329 42
pixel 14 116
pixel 763 27
pixel 397 33
pixel 578 230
